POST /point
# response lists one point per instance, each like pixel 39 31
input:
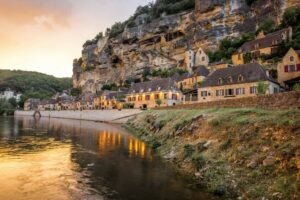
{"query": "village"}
pixel 245 76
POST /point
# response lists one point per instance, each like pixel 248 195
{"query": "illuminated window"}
pixel 147 97
pixel 140 98
pixel 156 96
pixel 165 96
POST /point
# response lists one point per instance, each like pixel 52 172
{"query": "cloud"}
pixel 42 12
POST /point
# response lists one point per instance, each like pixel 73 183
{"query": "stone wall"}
pixel 276 101
pixel 112 116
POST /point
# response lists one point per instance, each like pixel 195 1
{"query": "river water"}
pixel 58 159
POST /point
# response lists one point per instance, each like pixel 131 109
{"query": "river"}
pixel 59 159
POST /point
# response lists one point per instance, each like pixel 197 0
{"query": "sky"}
pixel 46 35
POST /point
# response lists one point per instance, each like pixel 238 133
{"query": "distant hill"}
pixel 33 84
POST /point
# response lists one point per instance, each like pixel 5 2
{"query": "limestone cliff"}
pixel 163 43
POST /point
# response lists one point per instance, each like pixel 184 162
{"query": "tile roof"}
pixel 155 85
pixel 251 72
pixel 267 41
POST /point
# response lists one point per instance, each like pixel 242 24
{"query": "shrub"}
pixel 188 150
pixel 199 161
pixel 262 88
pixel 181 124
pixel 155 145
pixel 296 87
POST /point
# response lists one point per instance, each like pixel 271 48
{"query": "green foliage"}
pixel 229 47
pixel 76 92
pixel 33 84
pixel 198 160
pixel 6 107
pixel 268 25
pixel 262 88
pixel 13 102
pixel 158 102
pixel 296 87
pixel 248 57
pixel 128 105
pixel 112 87
pixel 188 150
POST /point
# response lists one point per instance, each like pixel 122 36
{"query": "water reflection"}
pixel 69 159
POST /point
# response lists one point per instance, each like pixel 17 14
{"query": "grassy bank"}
pixel 248 153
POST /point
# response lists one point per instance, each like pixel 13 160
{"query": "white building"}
pixel 8 94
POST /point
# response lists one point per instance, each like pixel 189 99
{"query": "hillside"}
pixel 32 84
pixel 158 36
pixel 254 155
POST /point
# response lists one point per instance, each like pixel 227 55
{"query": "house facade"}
pixel 262 45
pixel 289 69
pixel 31 104
pixel 190 81
pixel 109 100
pixel 236 82
pixel 201 58
pixel 147 94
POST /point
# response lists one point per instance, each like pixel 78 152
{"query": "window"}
pixel 140 98
pixel 174 97
pixel 147 97
pixel 220 93
pixel 229 92
pixel 239 57
pixel 203 58
pixel 240 78
pixel 204 94
pixel 133 98
pixel 220 81
pixel 229 79
pixel 292 58
pixel 253 90
pixel 156 96
pixel 129 99
pixel 165 96
pixel 292 68
pixel 240 91
pixel 276 90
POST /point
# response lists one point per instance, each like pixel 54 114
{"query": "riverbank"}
pixel 249 153
pixel 107 116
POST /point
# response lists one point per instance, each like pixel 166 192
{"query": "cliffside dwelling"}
pixel 150 94
pixel 201 58
pixel 218 65
pixel 262 45
pixel 289 69
pixel 190 81
pixel 236 82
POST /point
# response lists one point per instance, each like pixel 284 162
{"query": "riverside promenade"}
pixel 108 116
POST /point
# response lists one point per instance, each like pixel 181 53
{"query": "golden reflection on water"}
pixel 112 140
pixel 43 175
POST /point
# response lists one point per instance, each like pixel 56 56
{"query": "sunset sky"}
pixel 46 35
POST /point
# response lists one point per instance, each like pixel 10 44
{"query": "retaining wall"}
pixel 275 101
pixel 112 116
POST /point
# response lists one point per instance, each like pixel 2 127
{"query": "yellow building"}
pixel 188 81
pixel 150 94
pixel 218 65
pixel 262 45
pixel 289 69
pixel 109 100
pixel 236 82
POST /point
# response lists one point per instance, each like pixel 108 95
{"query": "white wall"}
pixel 114 116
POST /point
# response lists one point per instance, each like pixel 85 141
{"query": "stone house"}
pixel 146 94
pixel 262 45
pixel 289 69
pixel 218 65
pixel 109 100
pixel 236 82
pixel 201 58
pixel 189 81
pixel 46 105
pixel 31 104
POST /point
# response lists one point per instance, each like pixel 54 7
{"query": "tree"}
pixel 296 87
pixel 13 102
pixel 158 102
pixel 261 88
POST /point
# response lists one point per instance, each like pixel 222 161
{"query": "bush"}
pixel 199 161
pixel 261 88
pixel 296 87
pixel 188 150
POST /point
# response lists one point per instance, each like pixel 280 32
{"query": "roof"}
pixel 217 63
pixel 201 71
pixel 266 41
pixel 251 72
pixel 155 85
pixel 298 52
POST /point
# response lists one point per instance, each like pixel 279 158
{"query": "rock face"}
pixel 162 43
